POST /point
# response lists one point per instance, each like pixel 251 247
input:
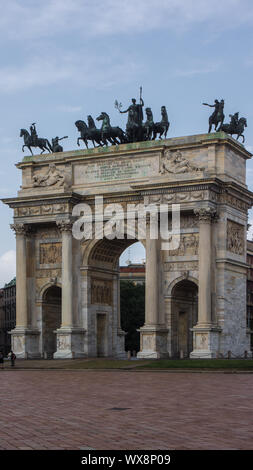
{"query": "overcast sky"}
pixel 62 60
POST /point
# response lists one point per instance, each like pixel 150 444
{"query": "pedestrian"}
pixel 13 358
pixel 2 359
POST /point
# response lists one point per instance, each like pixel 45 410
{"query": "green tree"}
pixel 132 305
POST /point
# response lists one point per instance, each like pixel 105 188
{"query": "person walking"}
pixel 13 358
pixel 1 359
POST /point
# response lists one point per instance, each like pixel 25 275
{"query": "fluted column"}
pixel 21 276
pixel 67 282
pixel 205 215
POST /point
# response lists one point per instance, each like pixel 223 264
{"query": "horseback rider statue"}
pixel 32 140
pixel 217 117
pixel 236 126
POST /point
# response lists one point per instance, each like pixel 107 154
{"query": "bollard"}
pixel 181 354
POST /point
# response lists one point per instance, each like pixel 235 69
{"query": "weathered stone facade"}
pixel 195 295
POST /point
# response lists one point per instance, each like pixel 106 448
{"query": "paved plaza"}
pixel 53 409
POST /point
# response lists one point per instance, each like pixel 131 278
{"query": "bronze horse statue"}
pixel 115 135
pixel 29 142
pixel 89 133
pixel 238 129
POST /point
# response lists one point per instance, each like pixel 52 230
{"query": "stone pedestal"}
pixel 25 343
pixel 206 342
pixel 120 352
pixel 70 343
pixel 153 342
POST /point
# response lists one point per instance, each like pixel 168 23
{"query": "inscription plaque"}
pixel 112 170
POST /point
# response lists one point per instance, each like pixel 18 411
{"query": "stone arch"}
pixel 45 287
pixel 101 280
pixel 179 279
pixel 51 318
pixel 184 315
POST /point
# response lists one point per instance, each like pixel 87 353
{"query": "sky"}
pixel 61 61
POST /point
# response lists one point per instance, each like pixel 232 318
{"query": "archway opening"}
pixel 184 315
pixel 51 320
pixel 132 295
pixel 104 310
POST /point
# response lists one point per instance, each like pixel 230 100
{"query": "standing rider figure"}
pixel 218 114
pixel 234 120
pixel 135 116
pixel 34 135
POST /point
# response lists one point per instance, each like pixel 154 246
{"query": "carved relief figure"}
pixel 101 291
pixel 188 245
pixel 50 253
pixel 235 238
pixel 176 163
pixel 52 177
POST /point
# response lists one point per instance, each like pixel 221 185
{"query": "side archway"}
pixel 51 319
pixel 184 315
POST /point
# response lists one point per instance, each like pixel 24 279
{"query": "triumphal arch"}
pixel 68 301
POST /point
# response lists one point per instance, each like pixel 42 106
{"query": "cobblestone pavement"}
pixel 125 410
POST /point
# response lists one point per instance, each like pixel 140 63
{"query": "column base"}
pixel 120 351
pixel 70 343
pixel 25 343
pixel 206 341
pixel 153 342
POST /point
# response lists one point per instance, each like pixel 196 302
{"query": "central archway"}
pixel 51 320
pixel 100 272
pixel 184 317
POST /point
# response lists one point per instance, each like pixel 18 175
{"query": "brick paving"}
pixel 73 410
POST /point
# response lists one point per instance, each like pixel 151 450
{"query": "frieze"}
pixel 41 210
pixel 47 273
pixel 234 202
pixel 181 266
pixel 235 237
pixel 48 233
pixel 184 196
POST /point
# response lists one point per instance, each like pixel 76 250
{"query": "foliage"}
pixel 132 306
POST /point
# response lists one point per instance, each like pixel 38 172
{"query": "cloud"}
pixel 48 71
pixel 198 70
pixel 35 73
pixel 7 267
pixel 23 19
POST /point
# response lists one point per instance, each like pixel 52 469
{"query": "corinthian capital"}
pixel 205 214
pixel 64 225
pixel 19 229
